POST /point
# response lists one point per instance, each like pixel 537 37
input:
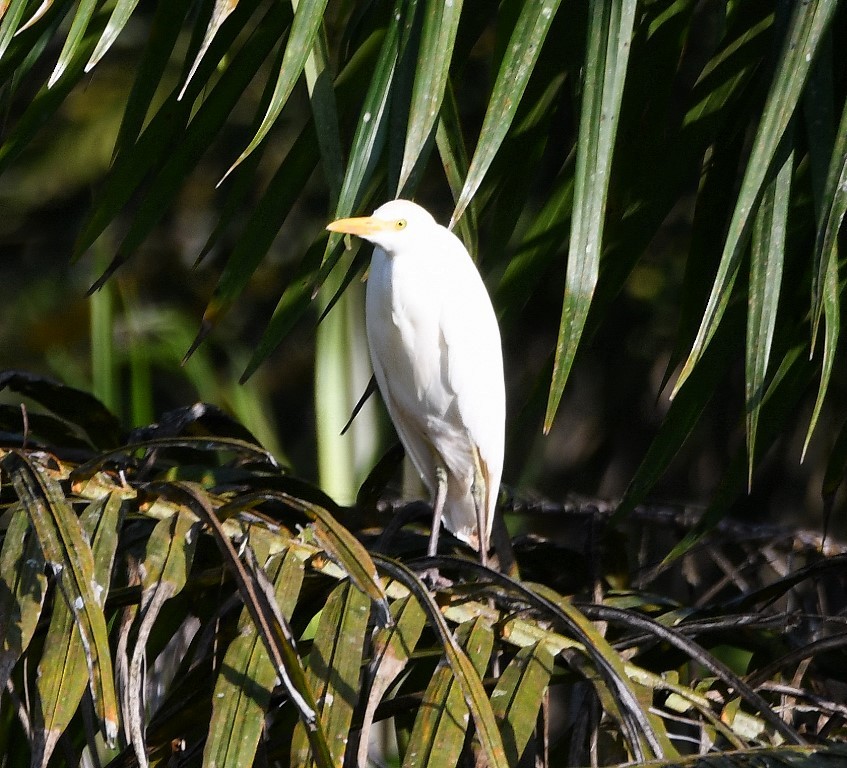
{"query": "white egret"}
pixel 437 358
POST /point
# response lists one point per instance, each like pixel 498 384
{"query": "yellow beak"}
pixel 361 226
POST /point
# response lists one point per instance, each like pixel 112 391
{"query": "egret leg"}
pixel 437 509
pixel 478 492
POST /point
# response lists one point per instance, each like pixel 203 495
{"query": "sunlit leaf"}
pixel 9 21
pixel 767 255
pixel 808 24
pixel 334 669
pixel 392 648
pixel 69 555
pixel 515 69
pixel 42 108
pixel 463 670
pixel 262 227
pixel 369 136
pixel 609 32
pixel 244 687
pixel 307 19
pixel 221 12
pixel 39 14
pixel 24 587
pixel 136 159
pixel 62 677
pixel 84 12
pixel 208 120
pixel 325 113
pixel 440 24
pixel 454 160
pixel 367 142
pixel 117 21
pixel 257 594
pixel 644 731
pixel 518 696
pixel 830 205
pixel 165 27
pixel 440 728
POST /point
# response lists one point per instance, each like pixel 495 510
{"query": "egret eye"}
pixel 400 224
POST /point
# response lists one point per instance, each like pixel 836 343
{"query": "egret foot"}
pixel 433 580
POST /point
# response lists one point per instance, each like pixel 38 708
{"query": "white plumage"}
pixel 436 354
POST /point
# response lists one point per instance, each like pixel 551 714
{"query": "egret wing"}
pixel 475 371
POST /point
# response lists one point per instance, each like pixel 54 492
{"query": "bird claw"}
pixel 434 580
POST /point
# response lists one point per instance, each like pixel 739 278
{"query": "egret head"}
pixel 392 226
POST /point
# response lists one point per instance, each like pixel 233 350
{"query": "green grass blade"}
pixel 42 108
pixel 165 28
pixel 524 155
pixel 135 160
pixel 9 24
pixel 117 21
pixel 707 231
pixel 130 167
pixel 518 695
pixel 542 240
pixel 369 137
pixel 789 382
pixel 241 186
pixel 70 50
pixel 243 688
pixel 40 12
pixel 262 227
pixel 392 649
pixel 23 592
pixel 462 668
pixel 304 28
pixel 807 28
pixel 101 329
pixel 767 255
pixel 832 313
pixel 454 159
pixel 402 84
pixel 342 371
pixel 683 415
pixel 368 141
pixel 69 554
pixel 609 33
pixel 830 206
pixel 292 305
pixel 62 676
pixel 325 114
pixel 220 13
pixel 207 122
pixel 515 69
pixel 334 670
pixel 440 727
pixel 438 38
pixel 337 366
